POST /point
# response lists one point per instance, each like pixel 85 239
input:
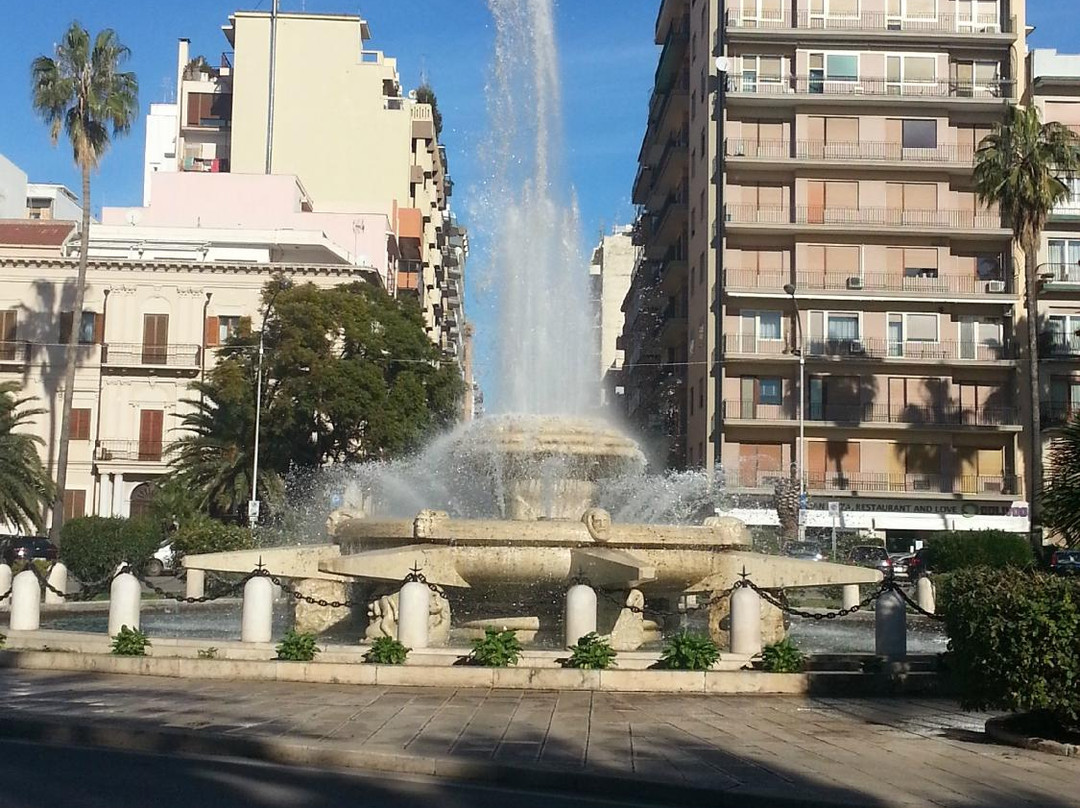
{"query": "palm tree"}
pixel 213 456
pixel 83 93
pixel 1061 496
pixel 25 486
pixel 1022 167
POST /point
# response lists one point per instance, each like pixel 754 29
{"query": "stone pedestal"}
pixel 257 618
pixel 772 622
pixel 414 605
pixel 890 626
pixel 25 602
pixel 195 585
pixel 58 578
pixel 382 615
pixel 125 596
pixel 745 622
pixel 580 615
pixel 313 618
pixel 851 596
pixel 924 595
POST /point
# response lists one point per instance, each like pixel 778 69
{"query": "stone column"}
pixel 257 619
pixel 414 604
pixel 5 584
pixel 25 602
pixel 118 495
pixel 105 489
pixel 580 614
pixel 851 596
pixel 58 578
pixel 924 594
pixel 125 596
pixel 745 621
pixel 890 626
pixel 195 586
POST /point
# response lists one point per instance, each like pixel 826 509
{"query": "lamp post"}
pixel 800 455
pixel 253 503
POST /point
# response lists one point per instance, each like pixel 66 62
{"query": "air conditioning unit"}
pixel 856 348
pixel 995 287
pixel 855 282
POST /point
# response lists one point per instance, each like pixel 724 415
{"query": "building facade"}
pixel 815 201
pixel 22 199
pixel 612 264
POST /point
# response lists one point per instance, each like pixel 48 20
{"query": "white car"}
pixel 161 562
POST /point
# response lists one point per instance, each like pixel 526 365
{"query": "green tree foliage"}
pixel 25 487
pixel 205 535
pixel 1015 641
pixel 1061 493
pixel 426 95
pixel 82 92
pixel 93 546
pixel 349 374
pixel 949 551
pixel 1023 166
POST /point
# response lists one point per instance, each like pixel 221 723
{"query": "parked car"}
pixel 900 564
pixel 162 562
pixel 804 551
pixel 868 555
pixel 1065 562
pixel 916 565
pixel 29 548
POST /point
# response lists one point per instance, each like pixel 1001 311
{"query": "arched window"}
pixel 140 499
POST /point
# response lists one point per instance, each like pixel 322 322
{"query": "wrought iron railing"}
pixel 937 218
pixel 136 354
pixel 846 151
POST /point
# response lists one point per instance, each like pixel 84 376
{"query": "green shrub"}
pixel 206 535
pixel 93 546
pixel 949 551
pixel 130 642
pixel 207 653
pixel 782 657
pixel 689 652
pixel 498 649
pixel 297 646
pixel 1014 641
pixel 40 564
pixel 387 651
pixel 592 653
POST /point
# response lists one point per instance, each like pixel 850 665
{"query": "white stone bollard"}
pixel 5 585
pixel 745 631
pixel 580 615
pixel 25 602
pixel 414 604
pixel 125 597
pixel 58 579
pixel 851 596
pixel 195 587
pixel 256 622
pixel 890 626
pixel 924 595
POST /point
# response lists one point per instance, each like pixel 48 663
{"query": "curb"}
pixel 196 743
pixel 997 729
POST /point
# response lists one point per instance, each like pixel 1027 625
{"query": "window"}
pixel 769 326
pixel 9 326
pixel 922 327
pixel 74 504
pixel 155 344
pixel 843 327
pixel 150 432
pixel 770 391
pixel 90 327
pixel 919 134
pixel 988 268
pixel 909 74
pixel 842 67
pixel 762 74
pixel 1064 259
pixel 228 326
pixel 80 423
pixel 1063 334
pixel 692 398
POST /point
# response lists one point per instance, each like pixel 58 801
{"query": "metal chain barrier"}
pixel 417 577
pixel 296 594
pixel 231 590
pixel 914 604
pixel 768 597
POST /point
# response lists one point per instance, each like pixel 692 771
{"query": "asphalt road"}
pixel 41 776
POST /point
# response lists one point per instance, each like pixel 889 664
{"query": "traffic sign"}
pixel 834 509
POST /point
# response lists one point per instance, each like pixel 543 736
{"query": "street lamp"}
pixel 253 504
pixel 800 462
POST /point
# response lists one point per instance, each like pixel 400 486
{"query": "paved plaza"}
pixel 879 752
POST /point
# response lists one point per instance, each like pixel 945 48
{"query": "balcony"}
pixel 1059 274
pixel 863 483
pixel 15 353
pixel 780 90
pixel 910 350
pixel 981 223
pixel 1054 345
pixel 803 24
pixel 129 451
pixel 1058 413
pixel 137 355
pixel 887 284
pixel 950 417
pixel 767 152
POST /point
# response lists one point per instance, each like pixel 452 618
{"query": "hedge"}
pixel 207 535
pixel 93 546
pixel 964 549
pixel 1014 641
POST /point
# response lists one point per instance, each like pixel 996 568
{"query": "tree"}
pixel 1061 494
pixel 25 487
pixel 83 93
pixel 1022 167
pixel 426 95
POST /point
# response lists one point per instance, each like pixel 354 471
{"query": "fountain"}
pixel 502 515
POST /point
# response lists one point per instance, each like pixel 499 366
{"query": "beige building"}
pixel 612 265
pixel 828 147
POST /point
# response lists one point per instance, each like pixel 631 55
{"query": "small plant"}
pixel 782 657
pixel 130 642
pixel 387 651
pixel 592 653
pixel 689 652
pixel 498 649
pixel 207 653
pixel 297 646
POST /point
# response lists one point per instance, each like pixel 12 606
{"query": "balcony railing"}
pixel 877 483
pixel 919 285
pixel 129 451
pixel 945 153
pixel 1052 344
pixel 872 87
pixel 853 415
pixel 865 217
pixel 876 348
pixel 138 355
pixel 1058 413
pixel 1060 273
pixel 873 21
pixel 15 352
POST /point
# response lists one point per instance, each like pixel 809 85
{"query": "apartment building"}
pixel 816 200
pixel 340 123
pixel 612 263
pixel 21 199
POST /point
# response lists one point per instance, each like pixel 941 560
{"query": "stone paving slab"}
pixel 749 749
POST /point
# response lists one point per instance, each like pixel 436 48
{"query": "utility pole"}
pixel 270 88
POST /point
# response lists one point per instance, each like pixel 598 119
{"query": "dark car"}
pixel 1065 562
pixel 867 555
pixel 28 548
pixel 916 565
pixel 804 551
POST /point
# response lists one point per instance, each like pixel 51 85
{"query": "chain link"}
pixel 296 594
pixel 417 577
pixel 914 604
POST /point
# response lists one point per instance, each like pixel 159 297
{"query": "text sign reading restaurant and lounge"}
pixel 869 513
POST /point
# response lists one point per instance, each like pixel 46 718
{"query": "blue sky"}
pixel 607 56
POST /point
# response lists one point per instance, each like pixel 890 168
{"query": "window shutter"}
pixel 99 329
pixel 66 320
pixel 212 331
